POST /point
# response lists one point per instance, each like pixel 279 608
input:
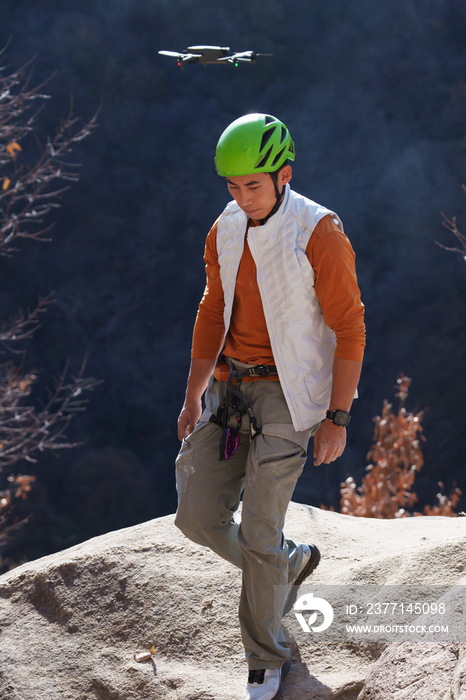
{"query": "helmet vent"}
pixel 269 120
pixel 284 132
pixel 278 156
pixel 261 163
pixel 265 139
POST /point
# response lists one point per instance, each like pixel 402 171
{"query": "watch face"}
pixel 341 418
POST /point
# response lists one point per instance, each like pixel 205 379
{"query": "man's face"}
pixel 255 194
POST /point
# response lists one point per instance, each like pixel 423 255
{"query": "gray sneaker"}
pixel 311 559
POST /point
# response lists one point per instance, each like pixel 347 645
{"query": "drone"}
pixel 212 54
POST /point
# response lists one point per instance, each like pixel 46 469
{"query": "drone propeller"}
pixel 181 57
pixel 244 56
pixel 208 48
pixel 175 54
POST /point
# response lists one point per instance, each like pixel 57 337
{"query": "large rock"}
pixel 415 672
pixel 70 623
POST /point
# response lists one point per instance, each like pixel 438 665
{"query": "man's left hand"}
pixel 329 442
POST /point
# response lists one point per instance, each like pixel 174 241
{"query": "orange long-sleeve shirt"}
pixel 333 261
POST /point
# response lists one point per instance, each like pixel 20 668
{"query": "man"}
pixel 279 339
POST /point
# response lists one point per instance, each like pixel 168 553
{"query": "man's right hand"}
pixel 199 375
pixel 188 418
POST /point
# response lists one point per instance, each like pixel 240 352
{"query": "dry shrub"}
pixel 396 456
pixel 446 504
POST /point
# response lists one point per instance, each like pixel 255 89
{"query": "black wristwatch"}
pixel 341 418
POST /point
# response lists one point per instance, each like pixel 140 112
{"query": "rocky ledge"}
pixel 70 623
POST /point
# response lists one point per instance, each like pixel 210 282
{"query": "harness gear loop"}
pixel 236 401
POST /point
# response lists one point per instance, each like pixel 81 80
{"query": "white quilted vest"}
pixel 303 345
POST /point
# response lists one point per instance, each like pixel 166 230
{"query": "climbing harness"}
pixel 235 403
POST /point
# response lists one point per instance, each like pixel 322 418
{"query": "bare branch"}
pixel 25 324
pixel 451 225
pixel 24 429
pixel 22 186
pixel 29 191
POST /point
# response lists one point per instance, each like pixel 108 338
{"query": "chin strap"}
pixel 279 197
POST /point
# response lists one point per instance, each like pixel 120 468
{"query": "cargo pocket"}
pixel 184 466
pixel 286 431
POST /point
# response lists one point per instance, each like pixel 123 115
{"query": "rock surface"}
pixel 71 622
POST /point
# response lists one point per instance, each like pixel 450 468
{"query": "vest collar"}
pixel 277 219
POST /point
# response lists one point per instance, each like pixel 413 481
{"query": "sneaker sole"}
pixel 284 672
pixel 312 564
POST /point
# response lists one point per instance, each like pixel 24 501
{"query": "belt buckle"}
pixel 263 370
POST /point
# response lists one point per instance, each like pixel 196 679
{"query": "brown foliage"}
pixel 446 504
pixel 396 456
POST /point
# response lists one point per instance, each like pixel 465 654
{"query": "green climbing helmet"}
pixel 255 143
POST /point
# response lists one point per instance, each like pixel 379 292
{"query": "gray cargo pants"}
pixel 265 470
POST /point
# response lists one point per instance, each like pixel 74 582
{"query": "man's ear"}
pixel 284 176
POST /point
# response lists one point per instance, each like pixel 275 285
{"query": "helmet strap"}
pixel 279 195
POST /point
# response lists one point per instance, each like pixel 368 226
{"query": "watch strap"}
pixel 339 417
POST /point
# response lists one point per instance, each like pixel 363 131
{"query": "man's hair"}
pixel 274 174
pixel 287 162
